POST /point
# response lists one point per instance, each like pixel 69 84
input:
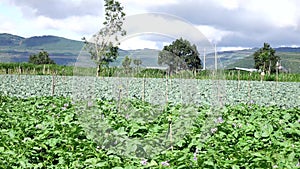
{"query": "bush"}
pixel 41 58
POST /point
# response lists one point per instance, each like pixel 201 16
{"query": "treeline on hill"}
pixel 138 72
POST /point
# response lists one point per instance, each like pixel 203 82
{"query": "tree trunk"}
pixel 98 70
pixel 269 67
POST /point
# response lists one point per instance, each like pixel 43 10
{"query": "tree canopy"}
pixel 40 58
pixel 137 62
pixel 102 49
pixel 126 62
pixel 180 55
pixel 265 59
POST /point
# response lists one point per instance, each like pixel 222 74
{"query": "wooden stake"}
pixel 119 98
pixel 238 79
pixel 167 89
pixel 53 83
pixel 127 84
pixel 143 94
pixel 249 87
pixel 48 72
pixel 44 69
pixel 171 138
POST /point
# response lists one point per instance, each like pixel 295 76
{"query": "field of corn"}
pixel 111 122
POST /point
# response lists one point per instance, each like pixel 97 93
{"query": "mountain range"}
pixel 64 51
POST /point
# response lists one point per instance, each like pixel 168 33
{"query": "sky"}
pixel 230 24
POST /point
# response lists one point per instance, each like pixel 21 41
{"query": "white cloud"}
pixel 292 46
pixel 280 13
pixel 231 48
pixel 58 9
pixel 212 34
pixel 229 4
pixel 166 43
pixel 7 27
pixel 132 7
pixel 147 3
pixel 226 22
pixel 74 24
pixel 138 43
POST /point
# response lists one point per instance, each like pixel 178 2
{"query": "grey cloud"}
pixel 59 9
pixel 208 13
pixel 249 29
pixel 276 37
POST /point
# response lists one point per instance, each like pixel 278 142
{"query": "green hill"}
pixel 289 60
pixel 18 49
pixel 65 52
pixel 8 40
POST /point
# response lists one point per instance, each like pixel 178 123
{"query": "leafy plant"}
pixel 41 58
pixel 45 132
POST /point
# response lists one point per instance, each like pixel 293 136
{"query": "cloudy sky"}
pixel 230 24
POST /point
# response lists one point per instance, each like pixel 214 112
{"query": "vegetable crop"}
pixel 46 132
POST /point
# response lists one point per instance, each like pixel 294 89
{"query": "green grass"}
pixel 26 68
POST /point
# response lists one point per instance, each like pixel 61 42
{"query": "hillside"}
pixel 65 52
pixel 290 59
pixel 8 40
pixel 18 49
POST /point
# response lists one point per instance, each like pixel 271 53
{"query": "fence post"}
pixel 53 83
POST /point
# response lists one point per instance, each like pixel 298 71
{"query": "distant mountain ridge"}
pixel 10 40
pixel 64 51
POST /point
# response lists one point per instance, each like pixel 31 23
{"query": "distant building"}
pixel 283 69
pixel 245 69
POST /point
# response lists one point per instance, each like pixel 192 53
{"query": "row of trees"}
pixel 126 63
pixel 41 58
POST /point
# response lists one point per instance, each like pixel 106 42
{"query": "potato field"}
pixel 110 122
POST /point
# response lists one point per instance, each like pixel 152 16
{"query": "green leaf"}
pixel 235 167
pixel 257 134
pixel 101 164
pixel 152 163
pixel 267 130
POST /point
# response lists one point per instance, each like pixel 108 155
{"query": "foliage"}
pixel 126 62
pixel 102 48
pixel 41 58
pixel 46 132
pixel 265 59
pixel 193 91
pixel 180 55
pixel 137 62
pixel 32 69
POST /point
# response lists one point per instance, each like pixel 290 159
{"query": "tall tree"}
pixel 265 59
pixel 40 58
pixel 102 48
pixel 137 62
pixel 126 62
pixel 180 55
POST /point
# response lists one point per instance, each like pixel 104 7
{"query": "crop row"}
pixel 47 132
pixel 155 90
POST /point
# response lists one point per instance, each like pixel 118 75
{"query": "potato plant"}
pixel 199 92
pixel 46 132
